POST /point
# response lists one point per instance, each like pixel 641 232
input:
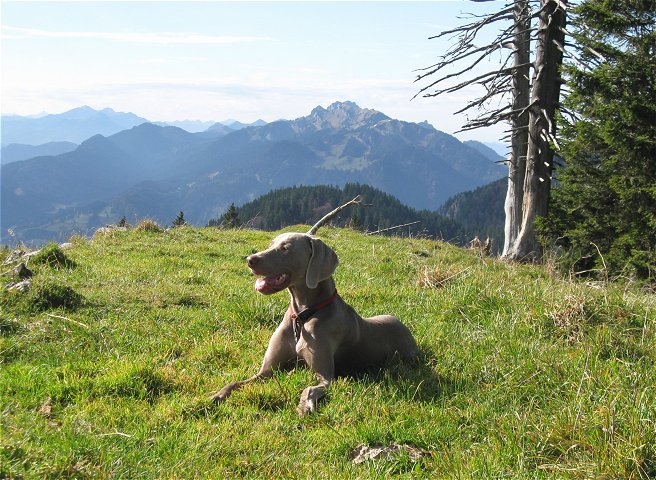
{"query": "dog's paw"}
pixel 306 407
pixel 309 400
pixel 217 398
pixel 221 395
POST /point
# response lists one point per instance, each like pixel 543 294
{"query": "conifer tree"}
pixel 179 220
pixel 605 208
pixel 231 218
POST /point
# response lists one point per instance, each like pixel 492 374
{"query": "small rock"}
pixel 22 286
pixel 103 231
pixel 66 246
pixel 14 256
pixel 107 229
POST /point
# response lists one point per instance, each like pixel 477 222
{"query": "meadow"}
pixel 107 364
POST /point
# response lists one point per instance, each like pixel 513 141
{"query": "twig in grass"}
pixel 414 395
pixel 578 392
pixel 455 275
pixel 117 433
pixel 69 320
pixel 605 269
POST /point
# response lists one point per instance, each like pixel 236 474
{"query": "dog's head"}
pixel 292 259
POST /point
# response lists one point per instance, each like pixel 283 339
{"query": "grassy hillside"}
pixel 522 375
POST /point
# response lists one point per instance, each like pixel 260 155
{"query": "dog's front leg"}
pixel 320 360
pixel 278 354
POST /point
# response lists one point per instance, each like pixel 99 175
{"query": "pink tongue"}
pixel 270 284
pixel 260 284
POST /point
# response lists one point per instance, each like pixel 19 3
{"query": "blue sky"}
pixel 218 60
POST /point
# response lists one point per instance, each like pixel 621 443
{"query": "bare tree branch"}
pixel 328 216
pixel 475 27
pixel 393 228
pixel 466 83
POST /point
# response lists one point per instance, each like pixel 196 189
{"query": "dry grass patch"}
pixel 439 275
pixel 148 225
pixel 570 317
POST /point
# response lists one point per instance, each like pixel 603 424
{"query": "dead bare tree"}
pixel 527 103
pixel 521 91
pixel 545 97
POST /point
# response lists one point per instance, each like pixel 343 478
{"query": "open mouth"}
pixel 272 284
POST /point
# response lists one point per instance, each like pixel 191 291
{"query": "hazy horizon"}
pixel 213 61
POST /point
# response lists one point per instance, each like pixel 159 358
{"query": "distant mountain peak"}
pixel 86 112
pixel 345 114
pixel 347 105
pixel 426 125
pixel 83 108
pixel 237 125
pixel 75 113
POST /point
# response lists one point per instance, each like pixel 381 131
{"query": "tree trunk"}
pixel 544 101
pixel 519 136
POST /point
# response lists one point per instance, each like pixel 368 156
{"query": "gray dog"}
pixel 319 327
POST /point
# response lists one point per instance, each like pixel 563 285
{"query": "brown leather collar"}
pixel 299 318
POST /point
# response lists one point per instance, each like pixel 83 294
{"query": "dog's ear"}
pixel 322 264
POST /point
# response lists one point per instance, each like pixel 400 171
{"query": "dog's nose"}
pixel 252 260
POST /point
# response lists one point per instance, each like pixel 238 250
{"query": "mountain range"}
pixel 15 152
pixel 73 126
pixel 155 171
pixel 50 132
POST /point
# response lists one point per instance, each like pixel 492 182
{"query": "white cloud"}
pixel 10 32
pixel 176 60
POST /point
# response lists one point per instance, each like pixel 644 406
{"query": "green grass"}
pixel 522 374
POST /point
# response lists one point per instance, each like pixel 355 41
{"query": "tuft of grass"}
pixel 48 295
pixel 52 256
pixel 141 382
pixel 522 374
